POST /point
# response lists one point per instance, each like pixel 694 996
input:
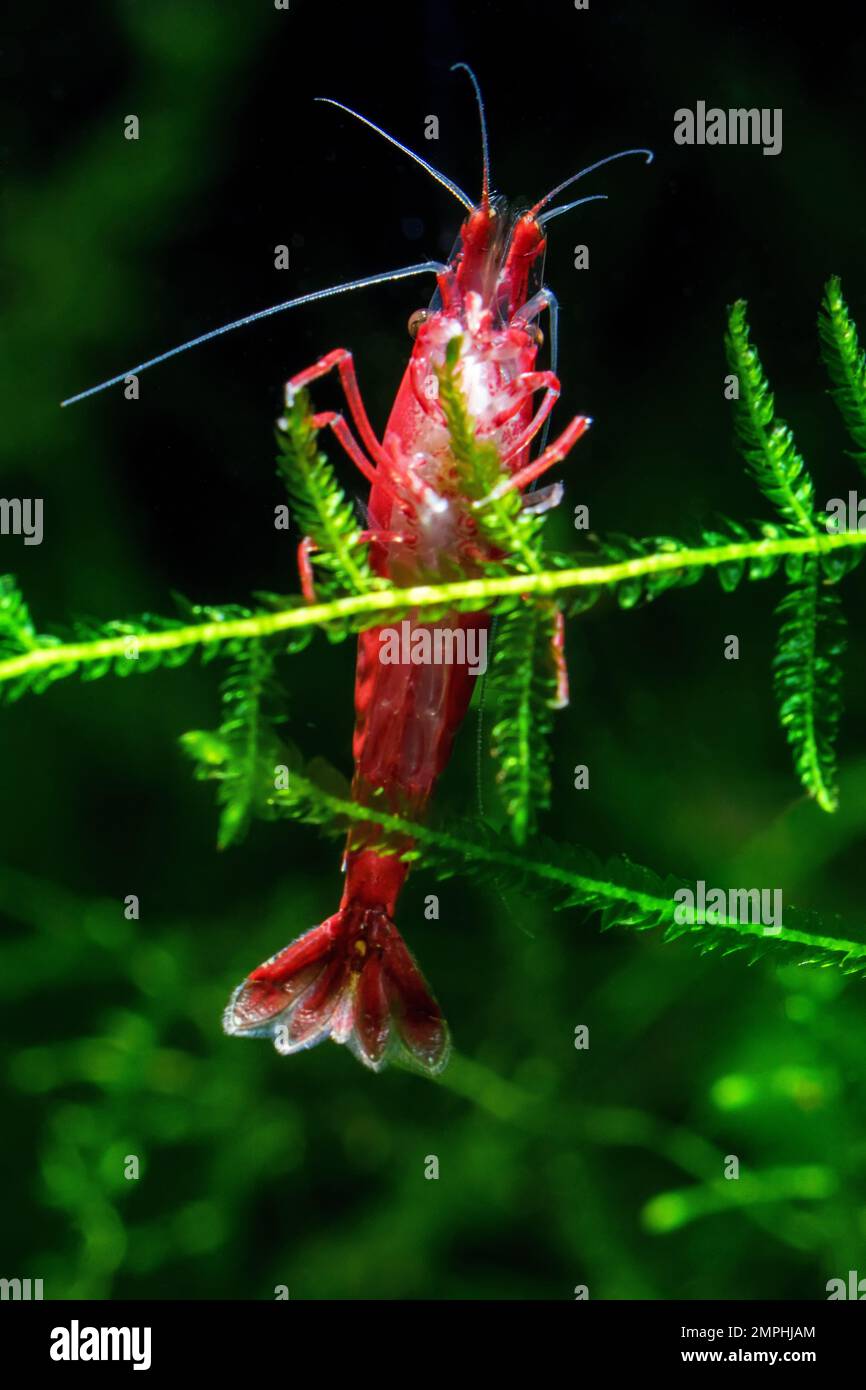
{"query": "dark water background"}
pixel 259 1171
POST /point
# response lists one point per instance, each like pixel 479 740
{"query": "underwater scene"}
pixel 432 702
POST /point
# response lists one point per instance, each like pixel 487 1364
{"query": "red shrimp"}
pixel 353 978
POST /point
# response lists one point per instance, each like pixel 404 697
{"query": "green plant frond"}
pixel 171 643
pixel 806 678
pixel 502 519
pixel 242 754
pixel 120 647
pixel 17 633
pixel 846 363
pixel 321 508
pixel 767 443
pixel 642 587
pixel 623 893
pixel 523 690
pixel 647 568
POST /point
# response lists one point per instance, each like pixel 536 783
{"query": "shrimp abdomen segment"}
pixel 414 682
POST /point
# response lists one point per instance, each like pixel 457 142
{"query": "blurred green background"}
pixel 557 1167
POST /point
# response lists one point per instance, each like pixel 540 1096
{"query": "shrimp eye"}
pixel 415 322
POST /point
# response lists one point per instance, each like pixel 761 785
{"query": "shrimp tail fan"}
pixel 352 979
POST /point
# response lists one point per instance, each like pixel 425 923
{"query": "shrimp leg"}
pixel 337 422
pixel 308 548
pixel 553 454
pixel 532 310
pixel 342 359
pixel 523 385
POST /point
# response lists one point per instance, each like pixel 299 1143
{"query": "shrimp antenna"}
pixel 485 148
pixel 434 173
pixel 557 212
pixel 590 169
pixel 423 268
